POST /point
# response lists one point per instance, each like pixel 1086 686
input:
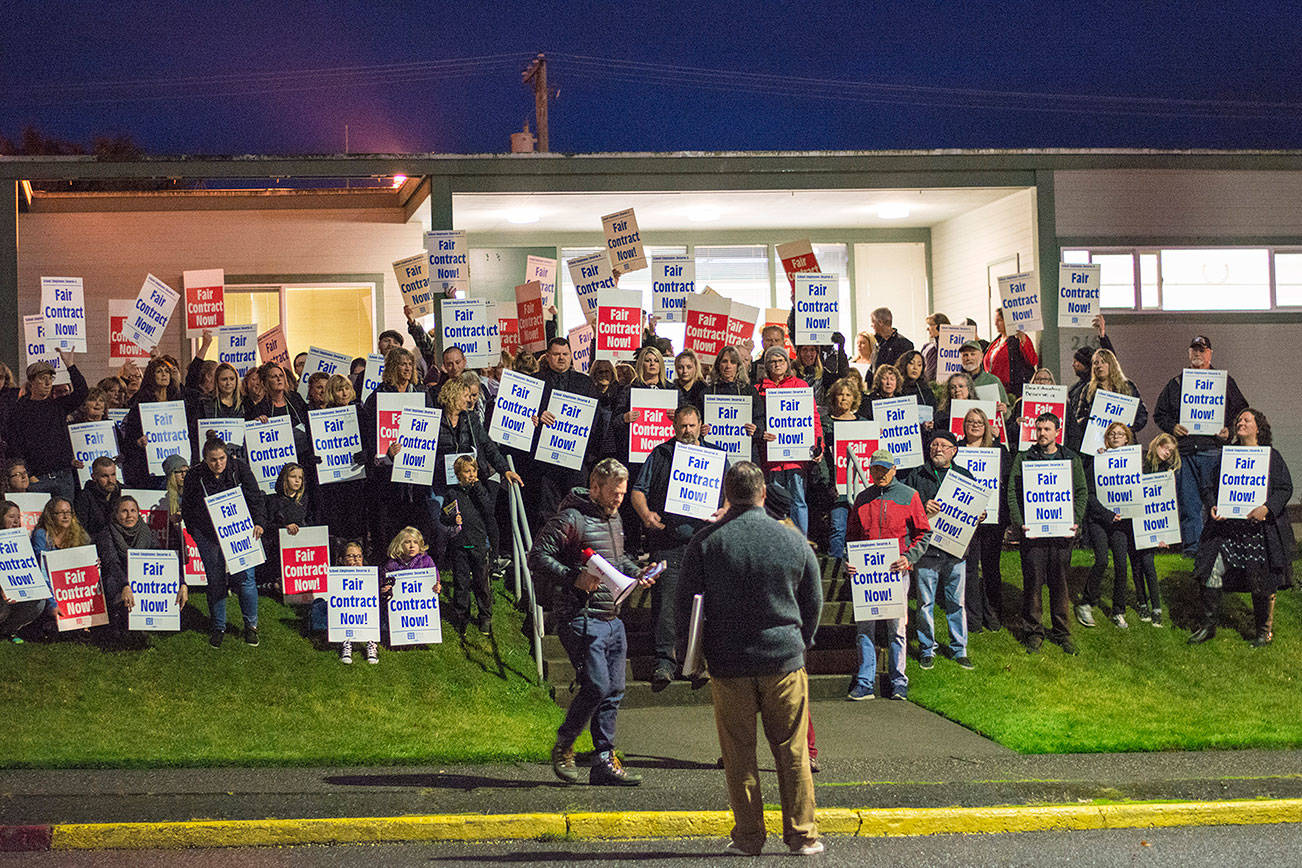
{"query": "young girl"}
pixel 1163 454
pixel 469 508
pixel 408 551
pixel 351 556
pixel 286 508
pixel 1106 529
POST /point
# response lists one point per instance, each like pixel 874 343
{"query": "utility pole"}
pixel 536 75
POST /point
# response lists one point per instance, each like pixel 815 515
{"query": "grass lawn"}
pixel 287 702
pixel 1139 689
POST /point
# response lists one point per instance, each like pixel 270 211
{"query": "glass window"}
pixel 1288 279
pixel 1076 257
pixel 1150 295
pixel 334 318
pixel 1225 279
pixel 1116 279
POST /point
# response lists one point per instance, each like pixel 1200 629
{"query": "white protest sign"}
pixel 619 324
pixel 959 408
pixel 542 270
pixel 418 441
pixel 324 362
pixel 39 351
pixel 1048 500
pixel 413 283
pixel 91 440
pixel 163 423
pixel 728 416
pixel 565 441
pixel 205 299
pixel 20 574
pixel 155 578
pixel 1160 521
pixel 192 566
pixel 962 502
pixel 862 439
pixel 63 304
pixel 230 430
pixel 1038 398
pixel 984 465
pixel 471 325
pixel 304 560
pixel 74 574
pixel 673 279
pixel 1107 407
pixel 1244 480
pixel 150 313
pixel 654 422
pixel 1202 400
pixel 414 613
pixel 237 346
pixel 589 274
pixel 352 604
pixel 818 309
pixel 1116 480
pixel 121 349
pixel 948 344
pixel 789 414
pixel 900 431
pixel 695 481
pixel 450 464
pixel 1020 294
pixel 388 409
pixel 373 376
pixel 233 526
pixel 990 392
pixel 707 323
pixel 580 338
pixel 336 440
pixel 878 592
pixel 518 398
pixel 449 263
pixel 1078 294
pixel 269 446
pixel 623 241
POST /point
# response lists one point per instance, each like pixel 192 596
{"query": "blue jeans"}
pixel 837 519
pixel 793 481
pixel 950 576
pixel 598 650
pixel 1193 481
pixel 898 645
pixel 56 482
pixel 219 584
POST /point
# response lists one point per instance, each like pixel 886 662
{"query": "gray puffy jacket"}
pixel 556 558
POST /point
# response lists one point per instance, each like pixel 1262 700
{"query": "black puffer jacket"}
pixel 200 483
pixel 556 558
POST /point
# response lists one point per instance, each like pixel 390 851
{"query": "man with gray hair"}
pixel 762 596
pixel 890 343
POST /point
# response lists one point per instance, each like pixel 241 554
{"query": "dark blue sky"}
pixel 61 65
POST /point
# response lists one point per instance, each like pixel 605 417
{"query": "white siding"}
pixel 894 276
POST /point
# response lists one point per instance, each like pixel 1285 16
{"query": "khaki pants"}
pixel 782 701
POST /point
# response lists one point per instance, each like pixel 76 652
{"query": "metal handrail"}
pixel 855 472
pixel 521 542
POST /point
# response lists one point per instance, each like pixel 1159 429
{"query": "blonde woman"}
pixel 1105 374
pixel 984 599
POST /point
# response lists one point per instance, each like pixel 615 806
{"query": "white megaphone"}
pixel 619 584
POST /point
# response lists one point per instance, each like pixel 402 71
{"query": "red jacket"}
pixel 792 382
pixel 999 361
pixel 894 512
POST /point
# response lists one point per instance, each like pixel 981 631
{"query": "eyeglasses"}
pixel 63 513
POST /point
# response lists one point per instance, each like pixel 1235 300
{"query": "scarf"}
pixel 138 537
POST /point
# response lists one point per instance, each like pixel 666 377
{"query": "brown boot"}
pixel 1263 612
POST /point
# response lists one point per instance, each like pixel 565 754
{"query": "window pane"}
pixel 835 259
pixel 1076 257
pixel 1116 279
pixel 1215 279
pixel 330 317
pixel 738 272
pixel 1288 279
pixel 1148 280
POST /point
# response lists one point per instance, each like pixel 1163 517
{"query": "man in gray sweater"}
pixel 762 600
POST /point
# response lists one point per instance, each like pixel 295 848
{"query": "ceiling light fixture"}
pixel 893 211
pixel 521 216
pixel 399 180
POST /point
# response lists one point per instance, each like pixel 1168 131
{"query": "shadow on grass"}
pixel 441 781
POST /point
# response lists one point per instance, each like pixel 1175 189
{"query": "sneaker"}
pixel 859 693
pixel 215 638
pixel 346 654
pixel 927 661
pixel 661 679
pixel 17 640
pixel 608 771
pixel 372 653
pixel 251 636
pixel 814 767
pixel 486 627
pixel 1085 614
pixel 813 848
pixel 964 662
pixel 733 849
pixel 1145 614
pixel 563 764
pixel 898 696
pixel 1157 618
pixel 1120 620
pixel 1263 638
pixel 1069 647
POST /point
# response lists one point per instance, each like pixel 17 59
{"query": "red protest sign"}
pixel 862 437
pixel 122 348
pixel 797 256
pixel 654 423
pixel 1040 398
pixel 707 324
pixel 272 346
pixel 529 311
pixel 192 565
pixel 508 330
pixel 304 557
pixel 74 573
pixel 205 299
pixel 619 324
pixel 741 322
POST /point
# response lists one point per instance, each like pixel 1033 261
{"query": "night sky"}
pixel 282 78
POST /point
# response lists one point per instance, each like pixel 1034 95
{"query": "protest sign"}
pixel 1202 400
pixel 237 347
pixel 414 614
pixel 1040 398
pixel 962 503
pixel 542 270
pixel 581 346
pixel 325 362
pixel 984 465
pixel 565 441
pixel 205 300
pixel 623 241
pixel 518 398
pixel 63 304
pixel 471 325
pixel 1107 407
pixel 418 440
pixel 673 279
pixel 150 313
pixel 707 323
pixel 776 316
pixel 230 430
pixel 741 324
pixel 413 283
pixel 1078 295
pixel 388 407
pixel 654 422
pixel 900 430
pixel 20 575
pixel 992 392
pixel 1160 521
pixel 272 346
pixel 797 257
pixel 117 415
pixel 38 350
pixel 1116 480
pixel 372 377
pixel 619 324
pixel 91 440
pixel 1244 480
pixel 948 344
pixel 878 592
pixel 304 558
pixel 530 320
pixel 121 349
pixel 269 446
pixel 728 416
pixel 818 310
pixel 959 407
pixel 695 481
pixel 163 423
pixel 152 502
pixel 508 327
pixel 450 464
pixel 31 504
pixel 336 440
pixel 352 604
pixel 192 567
pixel 449 264
pixel 862 437
pixel 1048 499
pixel 1020 294
pixel 74 575
pixel 233 526
pixel 155 579
pixel 789 414
pixel 589 274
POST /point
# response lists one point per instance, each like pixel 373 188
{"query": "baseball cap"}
pixel 1200 342
pixel 35 369
pixel 882 458
pixel 970 345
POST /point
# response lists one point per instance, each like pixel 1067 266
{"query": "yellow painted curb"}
pixel 693 824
